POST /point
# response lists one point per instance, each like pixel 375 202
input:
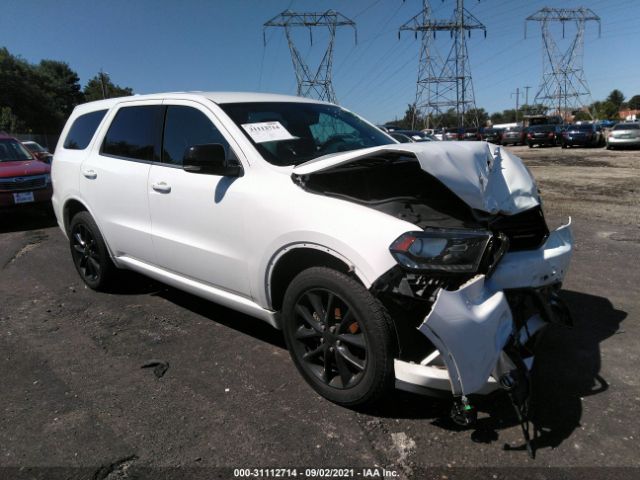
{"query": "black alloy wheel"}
pixel 339 336
pixel 89 252
pixel 329 339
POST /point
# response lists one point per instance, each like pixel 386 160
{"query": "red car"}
pixel 24 179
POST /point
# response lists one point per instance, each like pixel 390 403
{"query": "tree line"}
pixel 606 109
pixel 38 98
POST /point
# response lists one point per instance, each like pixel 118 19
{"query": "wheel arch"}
pixel 72 207
pixel 293 259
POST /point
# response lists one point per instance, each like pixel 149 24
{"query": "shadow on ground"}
pixel 27 218
pixel 567 368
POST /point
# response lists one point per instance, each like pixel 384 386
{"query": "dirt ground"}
pixel 590 183
pixel 75 401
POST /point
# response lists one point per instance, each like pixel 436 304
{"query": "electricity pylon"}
pixel 564 88
pixel 316 85
pixel 444 84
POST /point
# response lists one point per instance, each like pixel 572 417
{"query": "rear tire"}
pixel 89 252
pixel 341 338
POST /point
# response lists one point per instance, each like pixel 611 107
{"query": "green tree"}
pixel 8 121
pixel 479 113
pixel 23 92
pixel 616 97
pixel 581 115
pixel 506 116
pixel 62 84
pixel 101 86
pixel 634 102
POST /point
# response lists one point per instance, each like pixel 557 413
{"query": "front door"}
pixel 197 220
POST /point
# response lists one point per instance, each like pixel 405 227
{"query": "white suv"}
pixel 427 266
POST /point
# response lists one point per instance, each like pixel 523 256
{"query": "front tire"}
pixel 340 337
pixel 89 252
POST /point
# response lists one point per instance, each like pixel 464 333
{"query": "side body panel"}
pixel 115 190
pixel 198 226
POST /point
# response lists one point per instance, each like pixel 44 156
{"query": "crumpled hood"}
pixel 485 176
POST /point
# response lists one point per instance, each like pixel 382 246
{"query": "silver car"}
pixel 624 135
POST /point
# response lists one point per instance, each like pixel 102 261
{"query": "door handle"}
pixel 161 187
pixel 90 174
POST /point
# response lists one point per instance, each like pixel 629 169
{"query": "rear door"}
pixel 114 177
pixel 197 219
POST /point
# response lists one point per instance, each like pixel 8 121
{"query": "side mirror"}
pixel 210 159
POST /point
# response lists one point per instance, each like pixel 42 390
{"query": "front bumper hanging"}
pixel 471 326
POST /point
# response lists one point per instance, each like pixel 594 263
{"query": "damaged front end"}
pixel 476 319
pixel 481 328
pixel 474 287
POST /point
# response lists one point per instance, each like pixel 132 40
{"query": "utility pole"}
pixel 564 85
pixel 102 83
pixel 526 99
pixel 316 84
pixel 447 84
pixel 517 94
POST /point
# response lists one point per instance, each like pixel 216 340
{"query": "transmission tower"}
pixel 564 88
pixel 444 83
pixel 314 85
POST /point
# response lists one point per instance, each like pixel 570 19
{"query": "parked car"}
pixel 471 133
pixel 624 135
pixel 493 135
pixel 38 151
pixel 410 136
pixel 514 136
pixel 547 135
pixel 584 134
pixel 24 180
pixel 383 263
pixel 452 134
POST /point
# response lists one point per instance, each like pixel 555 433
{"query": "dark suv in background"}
pixel 548 135
pixel 492 135
pixel 514 136
pixel 584 135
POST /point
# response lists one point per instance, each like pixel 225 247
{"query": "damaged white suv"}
pixel 427 266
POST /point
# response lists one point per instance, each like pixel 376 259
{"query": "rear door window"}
pixel 135 133
pixel 82 130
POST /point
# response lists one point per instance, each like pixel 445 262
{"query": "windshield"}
pixel 34 147
pixel 11 151
pixel 291 133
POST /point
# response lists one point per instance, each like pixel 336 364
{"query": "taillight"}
pixel 529 135
pixel 551 134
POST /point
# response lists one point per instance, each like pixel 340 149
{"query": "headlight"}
pixel 446 251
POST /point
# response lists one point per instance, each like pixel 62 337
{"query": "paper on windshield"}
pixel 267 132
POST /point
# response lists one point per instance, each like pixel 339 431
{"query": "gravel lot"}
pixel 74 395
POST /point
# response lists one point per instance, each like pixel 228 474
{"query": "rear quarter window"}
pixel 83 129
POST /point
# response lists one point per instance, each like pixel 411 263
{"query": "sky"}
pixel 218 45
